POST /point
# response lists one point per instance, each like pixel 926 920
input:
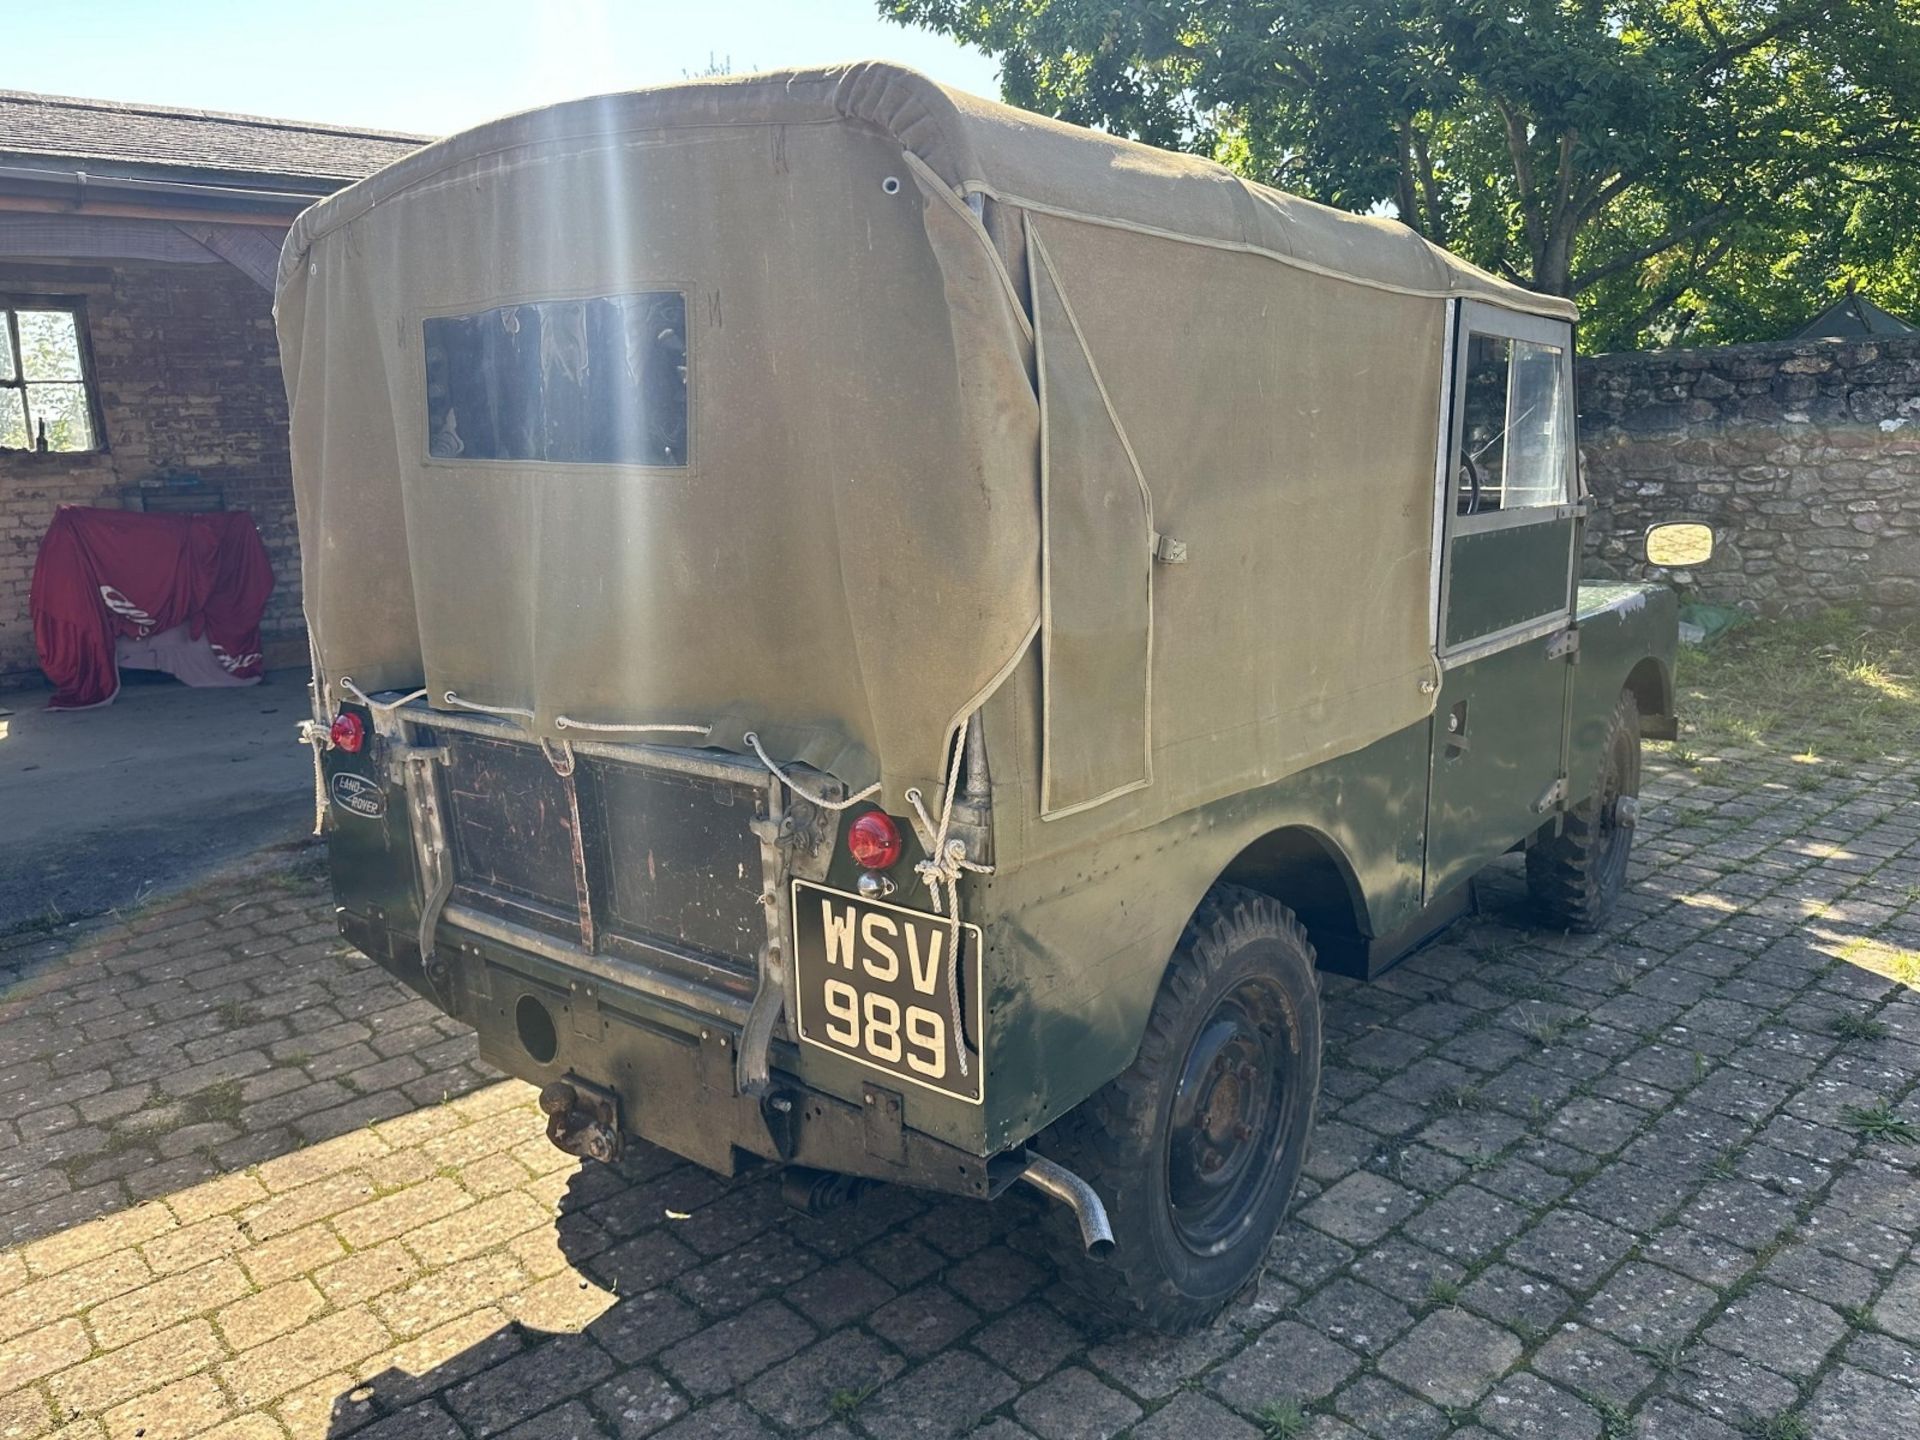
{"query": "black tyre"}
pixel 1576 876
pixel 1196 1147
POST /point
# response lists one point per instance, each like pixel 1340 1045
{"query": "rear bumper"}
pixel 672 1066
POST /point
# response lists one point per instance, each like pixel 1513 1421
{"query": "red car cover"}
pixel 106 573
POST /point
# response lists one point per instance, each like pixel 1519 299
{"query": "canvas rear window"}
pixel 594 381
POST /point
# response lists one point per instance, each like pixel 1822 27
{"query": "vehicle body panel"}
pixel 1497 748
pixel 1299 612
pixel 1504 578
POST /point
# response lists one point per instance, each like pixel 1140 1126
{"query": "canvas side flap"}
pixel 1096 569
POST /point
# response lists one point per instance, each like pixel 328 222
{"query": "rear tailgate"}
pixel 612 856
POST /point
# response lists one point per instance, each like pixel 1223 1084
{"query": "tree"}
pixel 1674 164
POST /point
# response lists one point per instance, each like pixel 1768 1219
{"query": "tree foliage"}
pixel 1707 169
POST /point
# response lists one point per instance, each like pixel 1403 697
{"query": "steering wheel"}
pixel 1472 472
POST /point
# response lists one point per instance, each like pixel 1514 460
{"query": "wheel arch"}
pixel 1306 870
pixel 1651 685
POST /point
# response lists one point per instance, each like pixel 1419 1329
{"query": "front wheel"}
pixel 1196 1147
pixel 1576 877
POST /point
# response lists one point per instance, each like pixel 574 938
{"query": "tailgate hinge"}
pixel 415 763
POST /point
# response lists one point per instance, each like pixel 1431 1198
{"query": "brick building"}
pixel 138 367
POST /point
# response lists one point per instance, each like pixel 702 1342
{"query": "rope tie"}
pixel 820 800
pixel 459 704
pixel 567 722
pixel 946 862
pixel 316 735
pixel 379 706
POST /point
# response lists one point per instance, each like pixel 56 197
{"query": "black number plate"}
pixel 871 982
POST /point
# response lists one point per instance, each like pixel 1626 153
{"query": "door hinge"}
pixel 1554 795
pixel 1566 643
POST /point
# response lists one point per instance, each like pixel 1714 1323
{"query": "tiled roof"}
pixel 136 139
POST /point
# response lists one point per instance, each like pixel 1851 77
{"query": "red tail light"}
pixel 874 841
pixel 348 732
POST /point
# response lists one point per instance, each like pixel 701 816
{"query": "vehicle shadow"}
pixel 681 1291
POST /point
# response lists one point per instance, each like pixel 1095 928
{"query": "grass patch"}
pixel 1879 958
pixel 118 1142
pixel 236 1014
pixel 1666 1359
pixel 1518 987
pixel 219 1101
pixel 1829 686
pixel 1878 1122
pixel 1281 1420
pixel 1787 1425
pixel 1457 1099
pixel 1858 1027
pixel 1615 1422
pixel 1547 1033
pixel 843 1402
pixel 1442 1291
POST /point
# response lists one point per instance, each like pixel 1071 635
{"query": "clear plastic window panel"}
pixel 1516 426
pixel 595 381
pixel 1538 416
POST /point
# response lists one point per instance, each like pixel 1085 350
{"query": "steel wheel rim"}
pixel 1622 780
pixel 1230 1118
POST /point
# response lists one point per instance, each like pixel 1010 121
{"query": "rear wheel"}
pixel 1196 1147
pixel 1576 876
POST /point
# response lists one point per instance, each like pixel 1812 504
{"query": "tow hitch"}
pixel 583 1119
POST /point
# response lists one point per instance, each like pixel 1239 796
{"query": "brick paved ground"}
pixel 1562 1188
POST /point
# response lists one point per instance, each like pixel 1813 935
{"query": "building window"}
pixel 46 392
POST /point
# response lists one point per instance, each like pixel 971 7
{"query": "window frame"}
pixel 1478 317
pixel 1466 318
pixel 11 304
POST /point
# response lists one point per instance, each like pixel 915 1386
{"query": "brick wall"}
pixel 189 381
pixel 1804 456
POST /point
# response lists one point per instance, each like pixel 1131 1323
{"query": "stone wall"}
pixel 1803 456
pixel 188 375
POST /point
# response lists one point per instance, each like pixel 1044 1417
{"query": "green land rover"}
pixel 860 629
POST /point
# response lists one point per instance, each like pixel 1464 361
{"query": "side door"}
pixel 1509 522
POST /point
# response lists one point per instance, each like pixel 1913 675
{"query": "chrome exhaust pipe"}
pixel 1078 1196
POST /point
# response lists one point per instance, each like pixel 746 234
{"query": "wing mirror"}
pixel 1679 546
